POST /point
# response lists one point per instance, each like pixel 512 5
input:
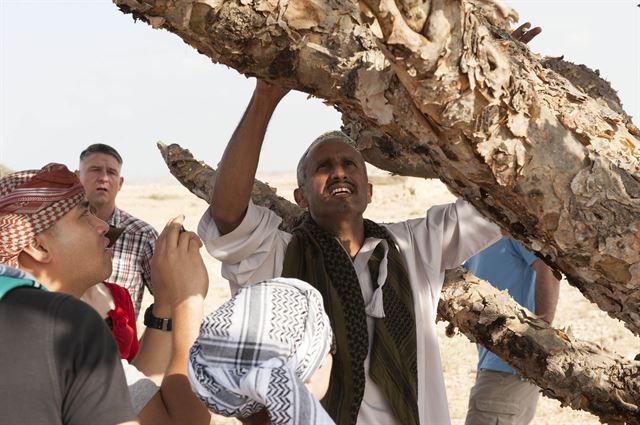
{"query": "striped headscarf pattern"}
pixel 257 350
pixel 32 201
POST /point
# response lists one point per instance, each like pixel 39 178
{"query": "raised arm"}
pixel 181 282
pixel 237 169
pixel 547 291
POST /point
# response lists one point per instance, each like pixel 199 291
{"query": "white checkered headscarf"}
pixel 31 201
pixel 257 350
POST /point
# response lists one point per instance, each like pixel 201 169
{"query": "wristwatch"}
pixel 154 322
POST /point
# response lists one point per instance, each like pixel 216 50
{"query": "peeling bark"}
pixel 555 167
pixel 579 374
pixel 199 178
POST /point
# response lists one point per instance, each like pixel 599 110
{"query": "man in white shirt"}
pixel 381 284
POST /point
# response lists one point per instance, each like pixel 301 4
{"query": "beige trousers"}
pixel 499 398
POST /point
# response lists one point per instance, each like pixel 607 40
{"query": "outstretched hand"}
pixel 524 34
pixel 177 269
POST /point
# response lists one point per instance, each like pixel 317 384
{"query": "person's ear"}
pixel 77 173
pixel 369 192
pixel 120 183
pixel 38 250
pixel 301 199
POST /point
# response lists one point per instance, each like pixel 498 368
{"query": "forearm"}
pixel 547 291
pixel 237 169
pixel 181 281
pixel 155 347
pixel 181 403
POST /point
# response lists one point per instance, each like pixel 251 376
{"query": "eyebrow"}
pixel 100 167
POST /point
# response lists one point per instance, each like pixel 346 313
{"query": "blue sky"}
pixel 77 72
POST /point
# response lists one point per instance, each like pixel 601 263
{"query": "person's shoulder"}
pixel 55 305
pixel 404 224
pixel 75 309
pixel 36 298
pixel 522 252
pixel 134 224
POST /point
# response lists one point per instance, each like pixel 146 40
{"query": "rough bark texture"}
pixel 199 178
pixel 448 92
pixel 579 374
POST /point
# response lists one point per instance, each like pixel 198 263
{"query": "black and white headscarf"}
pixel 257 350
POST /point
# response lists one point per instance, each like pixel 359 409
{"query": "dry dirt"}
pixel 395 198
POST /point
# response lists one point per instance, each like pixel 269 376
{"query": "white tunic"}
pixel 444 239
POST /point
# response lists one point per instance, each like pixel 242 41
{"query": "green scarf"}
pixel 317 257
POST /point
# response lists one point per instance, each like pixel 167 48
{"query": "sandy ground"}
pixel 395 198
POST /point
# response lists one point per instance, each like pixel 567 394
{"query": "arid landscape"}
pixel 395 198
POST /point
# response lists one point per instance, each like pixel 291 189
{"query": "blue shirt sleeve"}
pixel 520 250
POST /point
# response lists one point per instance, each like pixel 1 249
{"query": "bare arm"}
pixel 237 169
pixel 181 281
pixel 154 353
pixel 155 345
pixel 547 291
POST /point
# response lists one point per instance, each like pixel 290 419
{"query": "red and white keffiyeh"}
pixel 31 201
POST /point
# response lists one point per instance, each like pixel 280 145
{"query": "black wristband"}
pixel 154 322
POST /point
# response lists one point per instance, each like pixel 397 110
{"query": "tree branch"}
pixel 553 166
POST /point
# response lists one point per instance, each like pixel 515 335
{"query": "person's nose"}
pixel 103 176
pixel 338 171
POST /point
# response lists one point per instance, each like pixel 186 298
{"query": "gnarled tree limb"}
pixel 199 178
pixel 580 374
pixel 555 167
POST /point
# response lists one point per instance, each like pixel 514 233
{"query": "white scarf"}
pixel 257 350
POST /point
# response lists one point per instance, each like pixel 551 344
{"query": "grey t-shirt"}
pixel 141 388
pixel 59 363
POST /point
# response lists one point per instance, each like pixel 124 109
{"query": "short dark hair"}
pixel 101 148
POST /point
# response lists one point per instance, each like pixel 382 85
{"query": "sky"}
pixel 78 72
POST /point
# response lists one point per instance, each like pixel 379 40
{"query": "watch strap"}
pixel 154 322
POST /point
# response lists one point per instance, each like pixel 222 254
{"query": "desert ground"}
pixel 394 198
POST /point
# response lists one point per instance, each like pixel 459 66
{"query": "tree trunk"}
pixel 439 87
pixel 579 374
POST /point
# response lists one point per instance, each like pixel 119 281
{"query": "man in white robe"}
pixel 333 186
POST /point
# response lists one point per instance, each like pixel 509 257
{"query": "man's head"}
pixel 279 334
pixel 332 177
pixel 99 172
pixel 48 229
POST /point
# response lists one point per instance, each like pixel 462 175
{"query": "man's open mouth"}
pixel 341 189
